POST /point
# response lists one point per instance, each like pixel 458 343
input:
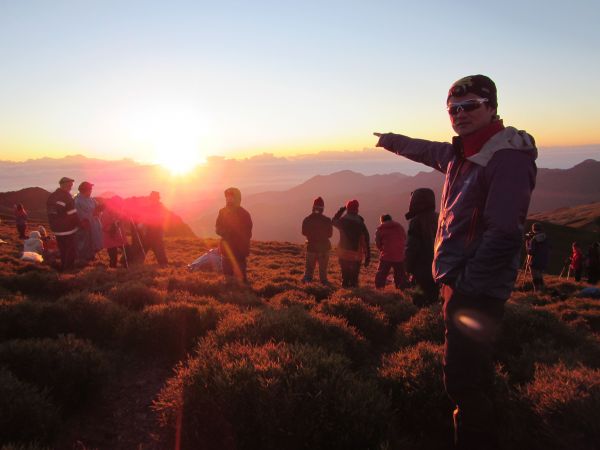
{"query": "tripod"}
pixel 566 268
pixel 526 270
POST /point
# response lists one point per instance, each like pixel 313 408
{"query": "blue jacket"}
pixel 483 209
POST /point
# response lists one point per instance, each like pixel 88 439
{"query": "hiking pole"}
pixel 123 247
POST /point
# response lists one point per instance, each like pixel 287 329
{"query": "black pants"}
pixel 21 228
pixel 67 250
pixel 113 254
pixel 235 266
pixel 384 269
pixel 157 245
pixel 311 261
pixel 472 324
pixel 350 271
pixel 430 291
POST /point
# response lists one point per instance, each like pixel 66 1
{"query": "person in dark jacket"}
pixel 21 220
pixel 390 239
pixel 63 220
pixel 234 225
pixel 490 174
pixel 318 229
pixel 576 261
pixel 594 263
pixel 538 251
pixel 422 229
pixel 153 228
pixel 354 242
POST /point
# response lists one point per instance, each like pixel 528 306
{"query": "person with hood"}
pixel 538 251
pixel 354 242
pixel 89 236
pixel 234 225
pixel 64 222
pixel 153 229
pixel 490 174
pixel 390 239
pixel 21 220
pixel 422 227
pixel 576 261
pixel 594 263
pixel 113 231
pixel 318 229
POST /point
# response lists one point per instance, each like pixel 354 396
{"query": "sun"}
pixel 178 156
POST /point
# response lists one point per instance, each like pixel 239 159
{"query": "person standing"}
pixel 576 261
pixel 89 235
pixel 594 263
pixel 112 227
pixel 538 250
pixel 318 229
pixel 64 222
pixel 422 228
pixel 21 220
pixel 153 228
pixel 234 225
pixel 354 242
pixel 490 174
pixel 390 239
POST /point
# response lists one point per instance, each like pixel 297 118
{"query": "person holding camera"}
pixel 490 174
pixel 538 251
pixel 354 242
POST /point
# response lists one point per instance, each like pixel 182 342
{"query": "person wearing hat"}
pixel 318 229
pixel 64 222
pixel 538 250
pixel 390 239
pixel 354 242
pixel 234 225
pixel 490 174
pixel 89 237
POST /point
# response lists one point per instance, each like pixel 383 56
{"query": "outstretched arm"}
pixel 436 155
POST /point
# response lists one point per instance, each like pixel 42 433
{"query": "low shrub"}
pixel 274 396
pixel 425 325
pixel 368 320
pixel 170 330
pixel 41 282
pixel 269 288
pixel 26 413
pixel 27 319
pixel 293 325
pixel 396 307
pixel 413 376
pixel 293 298
pixel 72 370
pixel 567 400
pixel 580 312
pixel 134 295
pixel 532 335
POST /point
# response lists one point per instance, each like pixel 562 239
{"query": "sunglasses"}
pixel 466 106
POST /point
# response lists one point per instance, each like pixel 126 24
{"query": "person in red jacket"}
pixel 112 220
pixel 576 261
pixel 21 220
pixel 390 239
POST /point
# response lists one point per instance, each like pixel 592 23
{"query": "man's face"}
pixel 467 122
pixel 87 192
pixel 67 186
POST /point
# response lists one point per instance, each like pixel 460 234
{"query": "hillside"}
pixel 583 217
pixel 158 358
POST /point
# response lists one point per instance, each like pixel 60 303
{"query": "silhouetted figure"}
pixel 64 222
pixel 113 230
pixel 538 249
pixel 354 242
pixel 576 261
pixel 422 228
pixel 234 225
pixel 594 263
pixel 89 236
pixel 21 220
pixel 153 230
pixel 50 252
pixel 318 229
pixel 490 174
pixel 390 239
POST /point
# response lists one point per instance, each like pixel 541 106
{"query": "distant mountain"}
pixel 278 215
pixel 34 201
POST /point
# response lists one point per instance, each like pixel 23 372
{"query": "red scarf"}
pixel 472 143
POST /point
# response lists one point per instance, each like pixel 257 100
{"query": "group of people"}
pixel 409 256
pixel 538 247
pixel 84 225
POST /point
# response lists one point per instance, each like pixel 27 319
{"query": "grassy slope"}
pixel 142 321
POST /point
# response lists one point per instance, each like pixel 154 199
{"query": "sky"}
pixel 174 82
